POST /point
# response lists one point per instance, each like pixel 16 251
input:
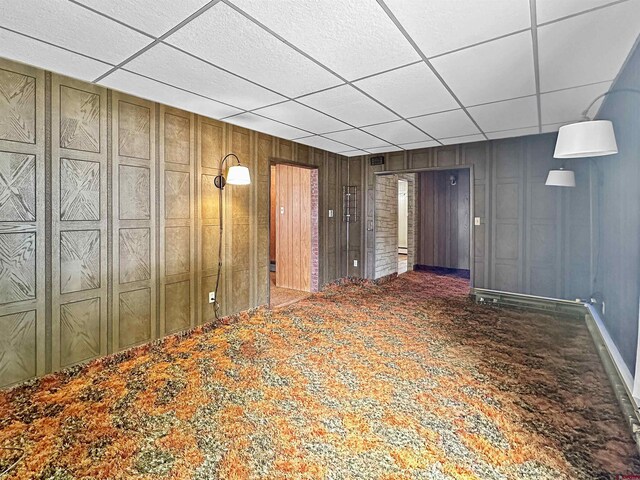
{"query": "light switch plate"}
pixel 355 263
pixel 330 213
pixel 476 221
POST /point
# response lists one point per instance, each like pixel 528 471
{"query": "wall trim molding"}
pixel 617 371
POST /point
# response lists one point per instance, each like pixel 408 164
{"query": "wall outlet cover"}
pixel 330 213
pixel 212 297
pixel 476 220
pixel 355 263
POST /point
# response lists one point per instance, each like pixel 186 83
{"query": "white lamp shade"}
pixel 561 178
pixel 238 175
pixel 586 139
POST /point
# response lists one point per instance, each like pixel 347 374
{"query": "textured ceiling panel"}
pixel 446 124
pixel 264 125
pixel 68 25
pixel 568 105
pixel 397 132
pixel 410 91
pixel 160 62
pixel 463 139
pixel 384 149
pixel 155 17
pixel 548 10
pixel 349 105
pixel 415 145
pixel 353 38
pixel 303 117
pixel 324 143
pixel 27 50
pixel 357 138
pixel 223 36
pixel 493 71
pixel 516 132
pixel 509 114
pixel 439 26
pixel 353 153
pixel 152 90
pixel 588 48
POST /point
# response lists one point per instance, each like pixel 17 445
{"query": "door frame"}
pixel 315 224
pixel 471 206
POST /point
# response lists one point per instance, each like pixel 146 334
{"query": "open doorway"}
pixel 293 233
pixel 403 225
pixel 444 221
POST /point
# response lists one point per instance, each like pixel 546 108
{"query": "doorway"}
pixel 292 233
pixel 403 224
pixel 444 221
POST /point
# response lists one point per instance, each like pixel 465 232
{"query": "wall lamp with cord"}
pixel 586 138
pixel 236 175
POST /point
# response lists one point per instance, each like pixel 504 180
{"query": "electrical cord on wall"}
pixel 216 303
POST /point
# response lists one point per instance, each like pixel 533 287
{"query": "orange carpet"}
pixel 406 380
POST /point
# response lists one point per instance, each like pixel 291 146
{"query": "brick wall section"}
pixel 386 225
pixel 411 217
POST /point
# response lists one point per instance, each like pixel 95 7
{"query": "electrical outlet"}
pixel 476 221
pixel 212 297
pixel 330 213
pixel 355 263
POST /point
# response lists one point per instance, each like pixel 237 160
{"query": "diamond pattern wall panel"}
pixel 18 107
pixel 17 187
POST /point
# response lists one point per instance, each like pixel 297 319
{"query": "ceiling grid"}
pixel 352 77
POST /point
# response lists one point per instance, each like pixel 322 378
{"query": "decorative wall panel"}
pixel 23 297
pixel 134 237
pixel 79 221
pixel 176 223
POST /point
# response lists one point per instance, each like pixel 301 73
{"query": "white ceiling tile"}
pixel 568 105
pixel 323 143
pixel 133 84
pixel 397 132
pixel 587 48
pixel 439 26
pixel 446 124
pixel 552 127
pixel 27 50
pixel 357 139
pixel 223 36
pixel 547 10
pixel 509 114
pixel 410 91
pixel 155 17
pixel 349 105
pixel 71 26
pixel 496 70
pixel 463 139
pixel 303 117
pixel 384 149
pixel 176 68
pixel 416 145
pixel 264 125
pixel 353 153
pixel 354 39
pixel 517 132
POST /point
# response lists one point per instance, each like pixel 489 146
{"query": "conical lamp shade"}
pixel 586 139
pixel 238 175
pixel 561 178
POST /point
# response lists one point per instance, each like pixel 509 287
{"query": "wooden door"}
pixel 293 227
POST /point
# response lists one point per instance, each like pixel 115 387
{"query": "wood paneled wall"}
pixel 443 219
pixel 522 243
pixel 109 220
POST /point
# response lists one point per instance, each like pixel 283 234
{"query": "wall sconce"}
pixel 587 138
pixel 237 175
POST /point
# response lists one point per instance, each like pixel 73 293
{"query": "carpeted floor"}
pixel 283 296
pixel 406 380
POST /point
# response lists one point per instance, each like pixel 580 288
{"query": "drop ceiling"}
pixel 349 76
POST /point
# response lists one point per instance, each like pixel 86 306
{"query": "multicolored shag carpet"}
pixel 406 380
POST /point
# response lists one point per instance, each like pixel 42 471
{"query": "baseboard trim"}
pixel 458 272
pixel 617 371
